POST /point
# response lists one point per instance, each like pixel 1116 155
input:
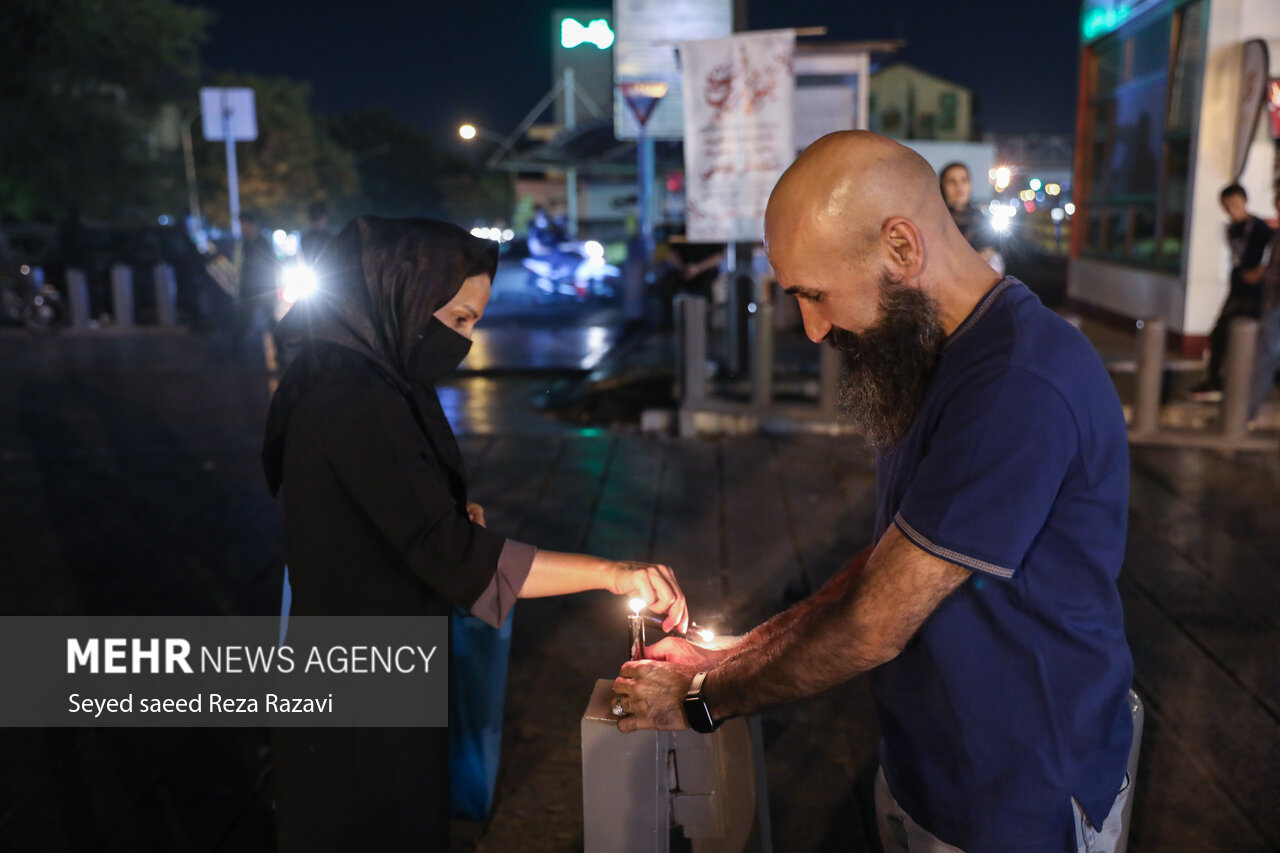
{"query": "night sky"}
pixel 488 61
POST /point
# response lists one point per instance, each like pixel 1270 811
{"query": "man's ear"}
pixel 905 248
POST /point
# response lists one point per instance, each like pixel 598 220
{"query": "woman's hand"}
pixel 656 585
pixel 475 512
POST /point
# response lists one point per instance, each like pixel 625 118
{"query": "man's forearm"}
pixel 768 632
pixel 859 621
pixel 815 648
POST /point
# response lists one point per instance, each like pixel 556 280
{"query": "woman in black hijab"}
pixel 376 514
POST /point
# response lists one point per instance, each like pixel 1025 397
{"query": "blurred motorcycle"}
pixel 25 300
pixel 574 269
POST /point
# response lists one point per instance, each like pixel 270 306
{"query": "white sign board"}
pixel 740 131
pixel 821 110
pixel 647 34
pixel 223 110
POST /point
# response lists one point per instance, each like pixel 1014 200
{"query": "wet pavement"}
pixel 130 483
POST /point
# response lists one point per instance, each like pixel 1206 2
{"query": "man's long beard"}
pixel 888 367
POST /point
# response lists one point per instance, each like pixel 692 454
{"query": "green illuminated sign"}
pixel 1099 22
pixel 572 33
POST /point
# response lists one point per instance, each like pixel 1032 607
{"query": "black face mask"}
pixel 437 353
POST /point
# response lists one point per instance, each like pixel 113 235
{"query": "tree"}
pixel 83 84
pixel 403 172
pixel 293 162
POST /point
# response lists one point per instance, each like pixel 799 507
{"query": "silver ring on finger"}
pixel 617 707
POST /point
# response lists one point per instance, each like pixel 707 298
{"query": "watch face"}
pixel 698 716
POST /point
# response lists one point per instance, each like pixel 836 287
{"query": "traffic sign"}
pixel 642 97
pixel 228 113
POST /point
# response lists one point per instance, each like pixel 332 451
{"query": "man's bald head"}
pixel 845 187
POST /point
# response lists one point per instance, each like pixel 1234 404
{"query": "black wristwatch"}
pixel 696 712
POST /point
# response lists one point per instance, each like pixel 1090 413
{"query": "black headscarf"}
pixel 379 284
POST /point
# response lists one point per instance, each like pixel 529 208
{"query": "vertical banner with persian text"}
pixel 739 131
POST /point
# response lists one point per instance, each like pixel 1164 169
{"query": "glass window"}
pixel 948 105
pixel 1143 88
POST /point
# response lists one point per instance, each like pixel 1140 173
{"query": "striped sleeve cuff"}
pixel 514 564
pixel 925 544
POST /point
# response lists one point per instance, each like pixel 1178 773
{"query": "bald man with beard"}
pixel 987 613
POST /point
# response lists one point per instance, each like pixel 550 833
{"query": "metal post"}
pixel 189 156
pixel 762 354
pixel 1150 375
pixel 166 294
pixel 644 155
pixel 571 174
pixel 1239 379
pixel 122 295
pixel 692 313
pixel 233 180
pixel 78 295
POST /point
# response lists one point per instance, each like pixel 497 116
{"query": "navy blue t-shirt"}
pixel 1012 697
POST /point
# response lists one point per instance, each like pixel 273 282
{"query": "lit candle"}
pixel 636 622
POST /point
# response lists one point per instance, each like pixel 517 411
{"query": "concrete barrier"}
pixel 78 296
pixel 166 283
pixel 122 296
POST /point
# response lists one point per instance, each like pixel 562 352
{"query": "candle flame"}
pixel 636 605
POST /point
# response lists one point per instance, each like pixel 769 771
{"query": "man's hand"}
pixel 683 653
pixel 652 695
pixel 656 585
pixel 475 512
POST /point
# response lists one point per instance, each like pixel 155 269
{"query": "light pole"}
pixel 189 156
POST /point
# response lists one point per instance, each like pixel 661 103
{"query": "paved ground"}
pixel 129 483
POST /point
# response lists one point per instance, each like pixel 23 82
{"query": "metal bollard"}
pixel 1238 386
pixel 166 283
pixel 78 296
pixel 762 355
pixel 122 295
pixel 636 788
pixel 1146 405
pixel 691 313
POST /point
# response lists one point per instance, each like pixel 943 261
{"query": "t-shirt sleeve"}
pixel 387 468
pixel 995 465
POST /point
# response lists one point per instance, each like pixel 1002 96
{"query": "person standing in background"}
pixel 259 275
pixel 957 192
pixel 1247 235
pixel 1268 321
pixel 317 237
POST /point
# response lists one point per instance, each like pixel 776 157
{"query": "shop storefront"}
pixel 1157 132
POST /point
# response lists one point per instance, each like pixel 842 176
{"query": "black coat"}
pixel 375 519
pixel 373 523
pixel 373 528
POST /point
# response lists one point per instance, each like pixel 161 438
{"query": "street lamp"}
pixel 469 132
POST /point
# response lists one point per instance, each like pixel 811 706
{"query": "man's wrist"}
pixel 697 713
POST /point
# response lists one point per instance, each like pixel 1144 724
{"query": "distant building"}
pixel 907 103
